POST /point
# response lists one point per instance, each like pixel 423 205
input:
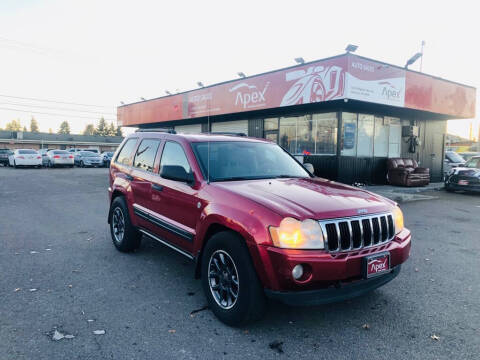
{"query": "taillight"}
pixel 71 157
pixel 56 157
pixel 21 157
pixel 39 157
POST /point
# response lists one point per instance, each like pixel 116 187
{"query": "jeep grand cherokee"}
pixel 257 224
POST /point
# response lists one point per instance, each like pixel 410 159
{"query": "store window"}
pixel 365 135
pixel 309 134
pixel 394 136
pixel 380 142
pixel 270 124
pixel 349 134
pixel 326 133
pixel 288 134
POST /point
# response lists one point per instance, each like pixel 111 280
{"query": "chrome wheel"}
pixel 223 279
pixel 118 224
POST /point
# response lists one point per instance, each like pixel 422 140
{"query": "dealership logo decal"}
pixel 390 92
pixel 317 83
pixel 378 265
pixel 249 96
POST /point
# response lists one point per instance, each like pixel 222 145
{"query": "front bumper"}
pixel 474 187
pixel 332 294
pixel 324 269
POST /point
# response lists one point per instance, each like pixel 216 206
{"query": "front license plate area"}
pixel 375 265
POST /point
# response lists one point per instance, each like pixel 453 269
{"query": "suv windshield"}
pixel 242 160
pixel 454 157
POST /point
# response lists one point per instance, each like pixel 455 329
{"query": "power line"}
pixel 56 108
pixel 63 115
pixel 55 101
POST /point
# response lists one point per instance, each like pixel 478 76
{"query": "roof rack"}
pixel 228 133
pixel 164 130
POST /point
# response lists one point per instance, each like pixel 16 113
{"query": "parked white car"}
pixel 60 158
pixel 25 157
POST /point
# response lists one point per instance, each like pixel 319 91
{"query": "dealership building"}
pixel 346 115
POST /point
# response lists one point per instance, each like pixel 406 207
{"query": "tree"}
pixel 34 125
pixel 111 130
pixel 119 131
pixel 102 128
pixel 50 131
pixel 24 128
pixel 64 128
pixel 89 130
pixel 13 125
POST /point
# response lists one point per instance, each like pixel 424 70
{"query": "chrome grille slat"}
pixel 374 230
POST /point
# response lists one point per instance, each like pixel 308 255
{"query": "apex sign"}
pixel 249 96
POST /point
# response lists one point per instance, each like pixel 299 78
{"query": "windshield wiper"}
pixel 287 176
pixel 234 178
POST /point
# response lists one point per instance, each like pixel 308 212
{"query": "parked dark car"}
pixel 107 157
pixel 255 222
pixel 465 177
pixel 4 154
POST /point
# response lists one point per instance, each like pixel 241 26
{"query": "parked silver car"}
pixel 88 158
pixel 59 158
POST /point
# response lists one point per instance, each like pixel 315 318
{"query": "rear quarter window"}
pixel 125 155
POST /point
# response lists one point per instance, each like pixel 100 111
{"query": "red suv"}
pixel 257 224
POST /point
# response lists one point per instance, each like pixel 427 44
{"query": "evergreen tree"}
pixel 102 128
pixel 89 130
pixel 119 131
pixel 64 128
pixel 34 125
pixel 13 125
pixel 111 130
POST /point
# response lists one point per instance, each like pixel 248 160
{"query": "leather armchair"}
pixel 406 172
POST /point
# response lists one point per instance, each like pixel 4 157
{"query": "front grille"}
pixel 355 233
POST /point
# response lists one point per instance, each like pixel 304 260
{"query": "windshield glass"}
pixel 454 157
pixel 23 152
pixel 58 152
pixel 109 154
pixel 88 154
pixel 243 160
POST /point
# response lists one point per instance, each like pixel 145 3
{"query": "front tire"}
pixel 125 236
pixel 230 282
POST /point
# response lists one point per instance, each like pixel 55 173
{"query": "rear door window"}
pixel 125 155
pixel 145 156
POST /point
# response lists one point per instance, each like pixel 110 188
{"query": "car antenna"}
pixel 208 144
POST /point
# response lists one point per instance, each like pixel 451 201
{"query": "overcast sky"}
pixel 103 52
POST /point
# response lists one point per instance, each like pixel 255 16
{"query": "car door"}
pixel 142 176
pixel 176 204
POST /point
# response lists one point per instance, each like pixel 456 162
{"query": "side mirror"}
pixel 309 167
pixel 177 173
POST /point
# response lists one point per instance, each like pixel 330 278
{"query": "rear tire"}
pixel 82 164
pixel 235 276
pixel 125 236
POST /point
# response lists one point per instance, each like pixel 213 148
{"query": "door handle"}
pixel 157 187
pixel 128 177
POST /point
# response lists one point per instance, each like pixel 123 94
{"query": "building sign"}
pixel 343 77
pixel 376 83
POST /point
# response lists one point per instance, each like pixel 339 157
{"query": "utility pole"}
pixel 421 59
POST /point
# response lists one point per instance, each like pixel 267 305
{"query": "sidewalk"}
pixel 404 194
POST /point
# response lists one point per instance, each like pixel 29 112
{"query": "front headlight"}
pixel 398 218
pixel 295 234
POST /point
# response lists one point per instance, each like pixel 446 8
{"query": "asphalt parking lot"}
pixel 60 272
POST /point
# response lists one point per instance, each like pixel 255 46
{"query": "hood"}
pixel 464 171
pixel 309 198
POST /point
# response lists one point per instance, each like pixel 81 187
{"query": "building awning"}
pixel 346 76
